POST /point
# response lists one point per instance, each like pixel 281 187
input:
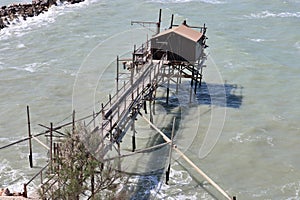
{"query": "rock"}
pixel 17 194
pixel 6 192
pixel 2 25
pixel 19 11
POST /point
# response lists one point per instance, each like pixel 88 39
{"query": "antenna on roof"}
pixel 172 18
pixel 143 23
pixel 159 21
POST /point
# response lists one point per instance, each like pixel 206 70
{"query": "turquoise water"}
pixel 254 45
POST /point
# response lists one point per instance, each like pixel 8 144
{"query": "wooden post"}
pixel 117 78
pixel 191 93
pixel 145 106
pixel 110 128
pixel 196 82
pixel 51 145
pixel 25 191
pixel 168 86
pixel 91 159
pixel 150 109
pixel 153 97
pixel 170 152
pixel 54 155
pixel 102 111
pixel 73 122
pixel 177 81
pixel 119 155
pixel 29 135
pixel 94 118
pixel 192 78
pixel 180 73
pixel 93 184
pixel 200 76
pixel 133 135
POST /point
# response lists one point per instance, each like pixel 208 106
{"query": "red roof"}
pixel 184 31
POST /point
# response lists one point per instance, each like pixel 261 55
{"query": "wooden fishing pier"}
pixel 167 58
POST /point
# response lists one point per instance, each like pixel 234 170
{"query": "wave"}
pixel 32 67
pixel 186 1
pixel 297 45
pixel 268 14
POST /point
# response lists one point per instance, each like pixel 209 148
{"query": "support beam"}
pixel 29 136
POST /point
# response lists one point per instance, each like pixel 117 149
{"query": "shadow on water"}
pixel 150 181
pixel 222 95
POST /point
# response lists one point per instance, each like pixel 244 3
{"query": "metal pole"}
pixel 29 135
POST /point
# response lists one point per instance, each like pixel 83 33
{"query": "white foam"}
pixel 257 40
pixel 32 67
pixel 20 27
pixel 297 45
pixel 290 188
pixel 244 138
pixel 21 46
pixel 268 14
pixel 186 1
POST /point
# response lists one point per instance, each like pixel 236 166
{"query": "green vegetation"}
pixel 76 173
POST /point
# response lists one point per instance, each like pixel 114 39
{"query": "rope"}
pixel 214 184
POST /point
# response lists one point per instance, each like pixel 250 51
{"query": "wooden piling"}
pixel 117 78
pixel 73 122
pixel 119 156
pixel 94 117
pixel 29 136
pixel 93 184
pixel 170 152
pixel 51 145
pixel 150 110
pixel 168 86
pixel 133 135
pixel 145 106
pixel 25 191
pixel 196 82
pixel 102 111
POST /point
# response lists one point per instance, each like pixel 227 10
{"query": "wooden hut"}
pixel 182 43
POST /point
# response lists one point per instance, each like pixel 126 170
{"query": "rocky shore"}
pixel 4 192
pixel 13 13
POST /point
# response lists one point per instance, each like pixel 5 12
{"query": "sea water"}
pixel 247 142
